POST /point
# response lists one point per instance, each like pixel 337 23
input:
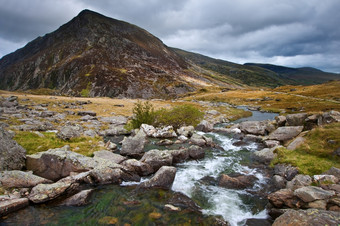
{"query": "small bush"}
pixel 183 115
pixel 144 113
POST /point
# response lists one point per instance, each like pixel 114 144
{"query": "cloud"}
pixel 290 32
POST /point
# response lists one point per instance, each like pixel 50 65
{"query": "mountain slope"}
pixel 93 55
pixel 301 76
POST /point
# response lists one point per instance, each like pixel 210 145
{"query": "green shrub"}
pixel 183 115
pixel 143 113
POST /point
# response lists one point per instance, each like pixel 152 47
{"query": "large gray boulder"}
pixel 265 155
pixel 310 217
pixel 256 127
pixel 20 179
pixel 12 155
pixel 312 193
pixel 296 143
pixel 179 155
pixel 12 205
pixel 296 119
pixel 156 159
pixel 285 133
pixel 58 163
pixel 298 181
pixel 69 132
pixel 134 146
pixel 205 126
pixel 164 178
pixel 46 192
pixel 141 168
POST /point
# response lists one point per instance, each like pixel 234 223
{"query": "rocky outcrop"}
pixel 134 146
pixel 20 179
pixel 162 179
pixel 12 155
pixel 46 192
pixel 55 164
pixel 12 205
pixel 285 133
pixel 156 159
pixel 310 217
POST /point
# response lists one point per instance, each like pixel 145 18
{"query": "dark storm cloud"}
pixel 287 32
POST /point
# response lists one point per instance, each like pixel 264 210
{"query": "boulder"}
pixel 280 120
pixel 58 163
pixel 110 146
pixel 20 179
pixel 134 146
pixel 186 131
pixel 184 202
pixel 88 118
pixel 116 120
pixel 329 117
pixel 46 192
pixel 163 178
pixel 12 205
pixel 286 171
pixel 156 159
pixel 318 204
pixel 296 119
pixel 165 142
pixel 196 152
pixel 141 168
pixel 249 138
pixel 68 132
pixel 312 193
pixel 265 156
pixel 199 140
pixel 84 177
pixel 279 182
pixel 296 143
pixel 90 133
pixel 310 217
pixel 12 155
pixel 285 197
pixel 179 155
pixel 115 130
pixel 108 155
pixel 298 181
pixel 285 133
pixel 254 127
pixel 165 132
pixel 205 126
pixel 109 175
pixel 239 182
pixel 80 199
pixel 271 143
pixel 36 125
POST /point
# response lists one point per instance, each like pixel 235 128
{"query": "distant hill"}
pixel 94 55
pixel 302 76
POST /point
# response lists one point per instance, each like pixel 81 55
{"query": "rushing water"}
pixel 197 179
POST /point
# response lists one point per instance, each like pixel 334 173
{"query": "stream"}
pixel 122 205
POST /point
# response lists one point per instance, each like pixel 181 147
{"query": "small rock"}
pixel 83 113
pixel 134 146
pixel 9 206
pixel 265 156
pixel 196 152
pixel 239 182
pixel 296 119
pixel 80 199
pixel 271 143
pixel 116 158
pixel 312 193
pixel 141 168
pixel 296 143
pixel 110 146
pixel 318 204
pixel 163 178
pixel 321 179
pixel 20 179
pixel 156 159
pixel 298 181
pixel 279 182
pixel 172 208
pixel 285 133
pixel 186 131
pixel 204 126
pixel 285 197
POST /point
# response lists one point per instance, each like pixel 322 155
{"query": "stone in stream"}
pixel 186 131
pixel 12 205
pixel 20 179
pixel 46 192
pixel 12 155
pixel 308 217
pixel 163 178
pixel 141 168
pixel 271 143
pixel 255 127
pixel 239 182
pixel 165 132
pixel 265 155
pixel 205 126
pixel 134 146
pixel 196 152
pixel 184 202
pixel 179 155
pixel 156 159
pixel 80 199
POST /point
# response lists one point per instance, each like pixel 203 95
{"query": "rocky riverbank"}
pixel 64 177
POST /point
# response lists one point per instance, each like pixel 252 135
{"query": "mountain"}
pixel 300 76
pixel 93 55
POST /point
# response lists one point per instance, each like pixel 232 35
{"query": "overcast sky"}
pixel 292 33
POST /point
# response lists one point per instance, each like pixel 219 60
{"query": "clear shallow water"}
pixel 256 115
